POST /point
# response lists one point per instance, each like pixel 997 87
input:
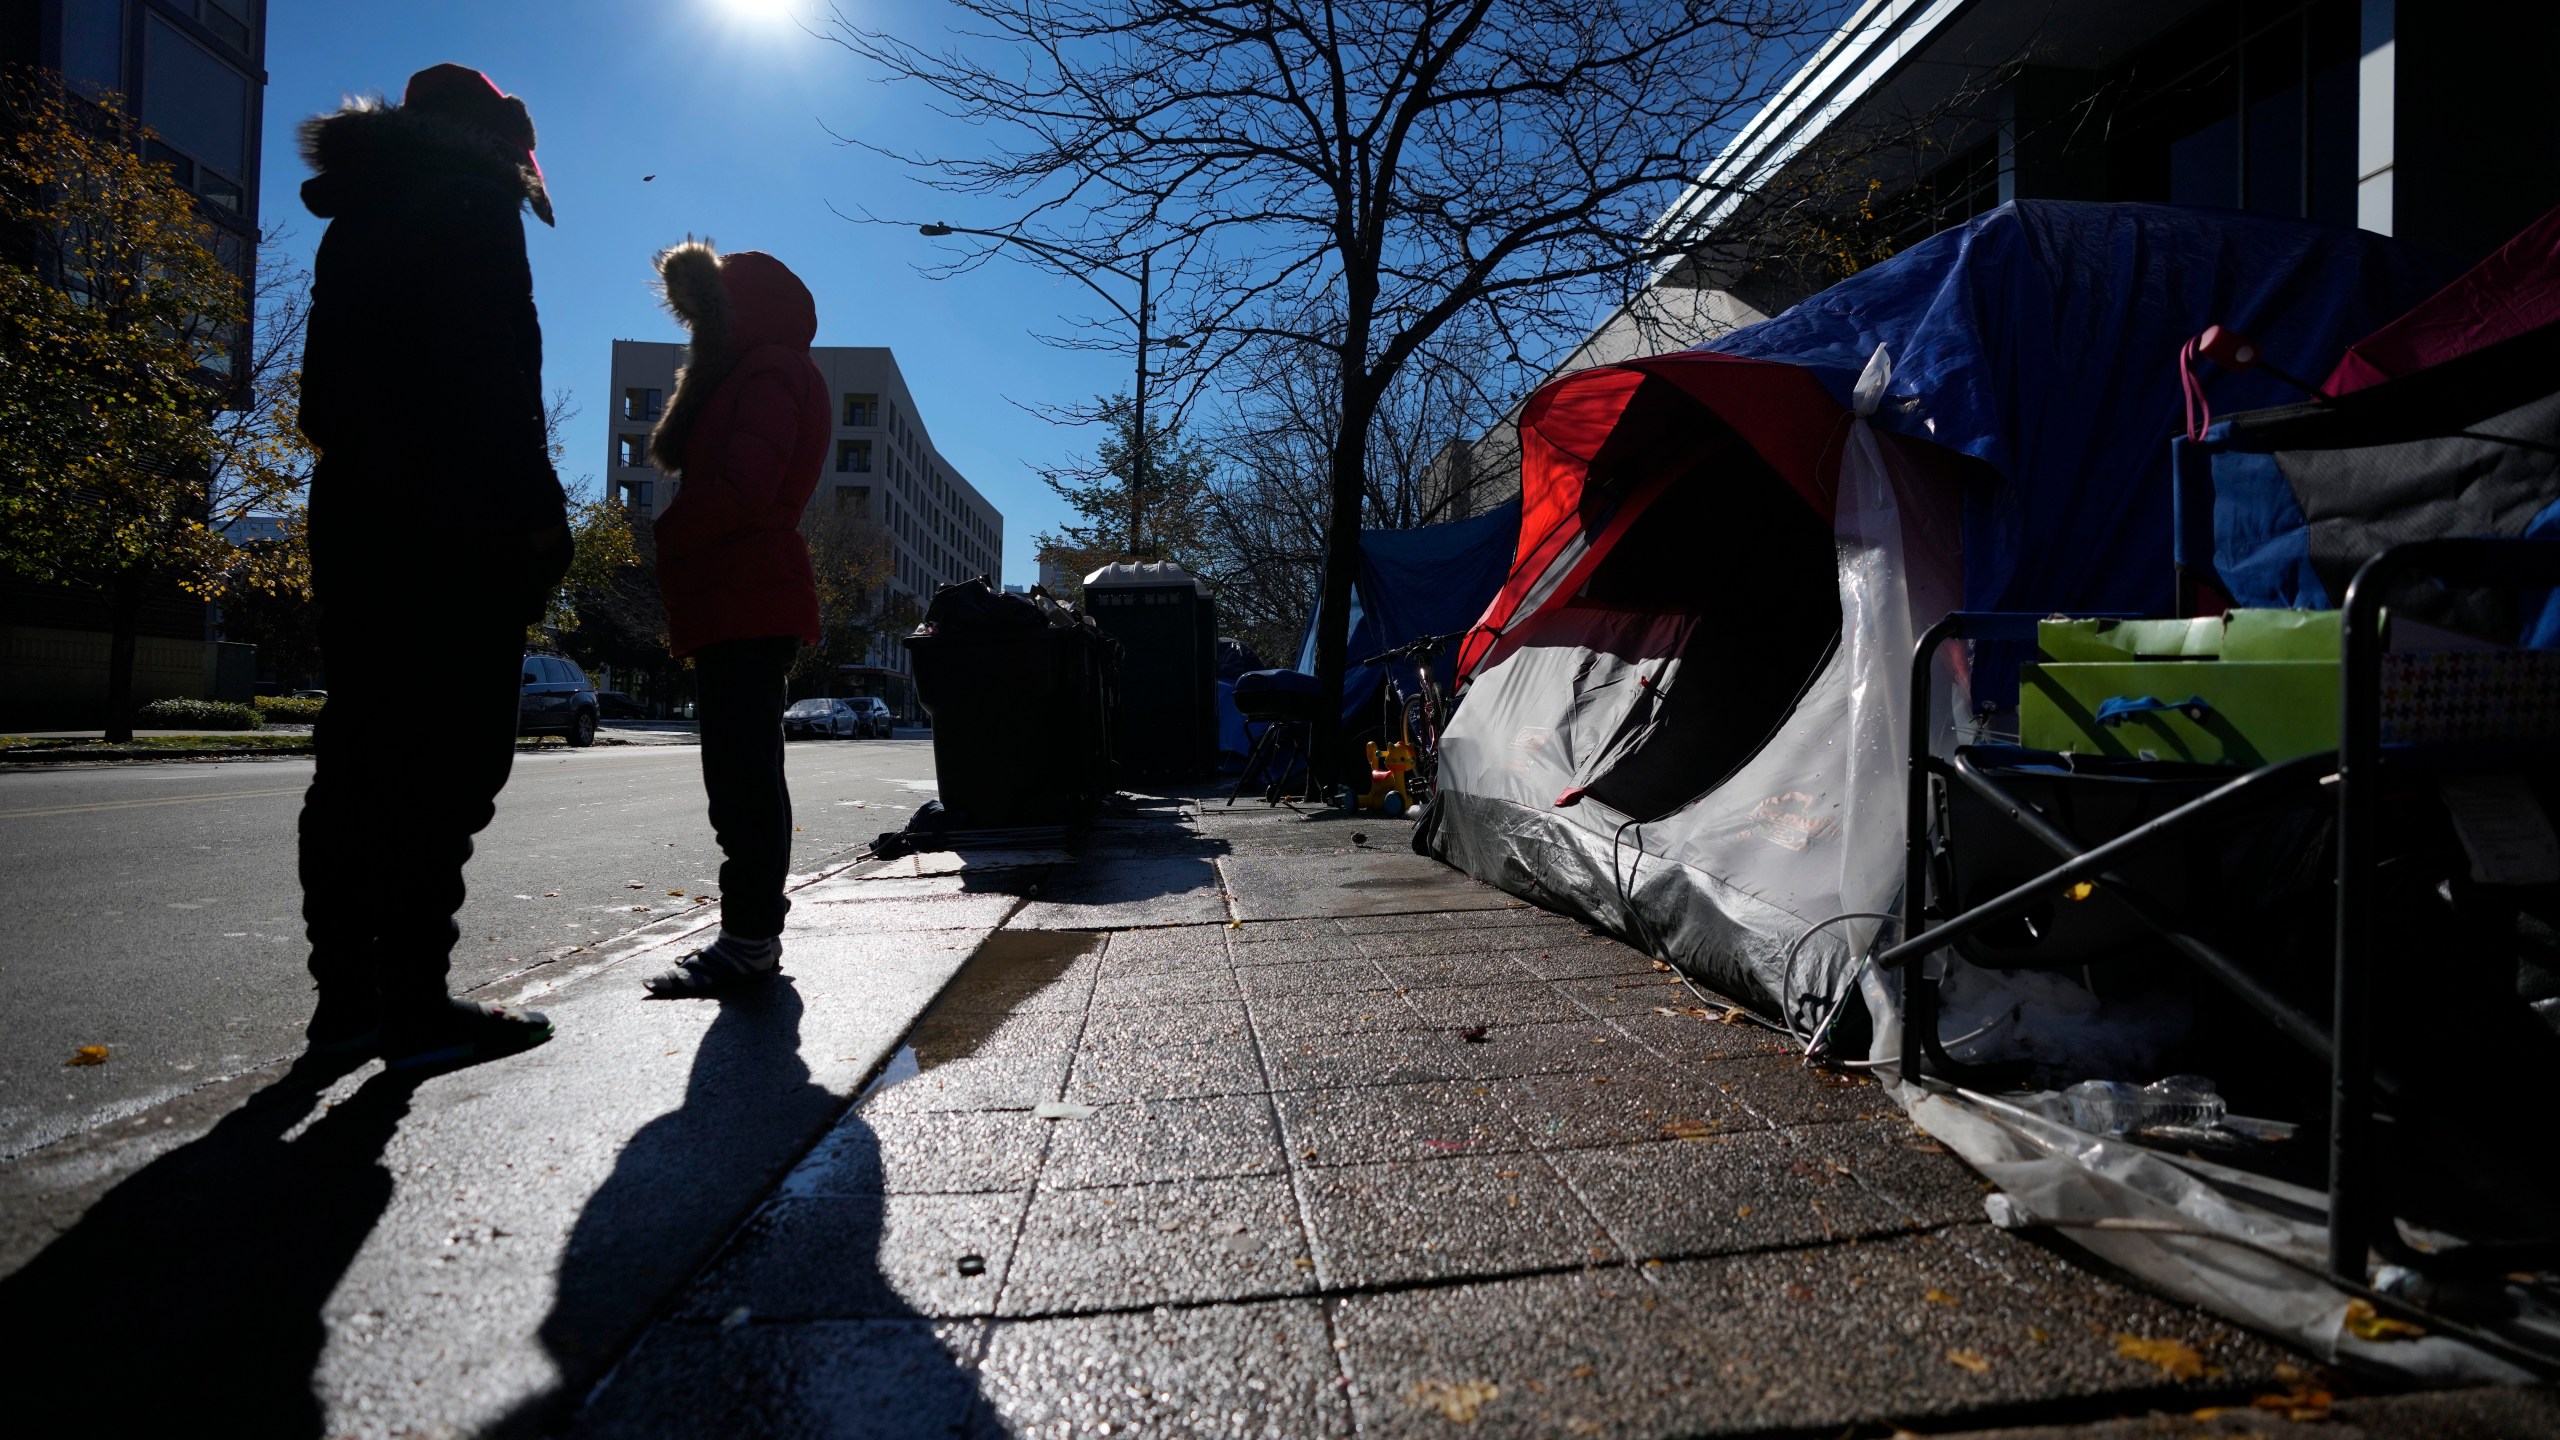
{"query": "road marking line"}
pixel 42 811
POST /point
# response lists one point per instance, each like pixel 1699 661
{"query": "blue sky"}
pixel 723 100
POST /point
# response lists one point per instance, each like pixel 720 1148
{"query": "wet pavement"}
pixel 1034 1143
pixel 1405 1158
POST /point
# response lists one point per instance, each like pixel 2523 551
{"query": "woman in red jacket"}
pixel 746 433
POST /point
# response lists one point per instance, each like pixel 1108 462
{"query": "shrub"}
pixel 197 715
pixel 297 709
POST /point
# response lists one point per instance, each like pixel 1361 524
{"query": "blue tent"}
pixel 1432 581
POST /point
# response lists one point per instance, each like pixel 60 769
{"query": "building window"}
pixel 631 451
pixel 93 45
pixel 853 457
pixel 854 500
pixel 639 403
pixel 636 494
pixel 2243 108
pixel 862 410
pixel 198 103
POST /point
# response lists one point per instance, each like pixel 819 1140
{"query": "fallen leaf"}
pixel 1689 1130
pixel 1799 1292
pixel 1973 1360
pixel 1737 1016
pixel 2175 1356
pixel 1235 924
pixel 1666 967
pixel 633 885
pixel 88 1055
pixel 1936 1296
pixel 1581 1372
pixel 675 892
pixel 550 894
pixel 639 909
pixel 1457 1402
pixel 1743 1212
pixel 1474 1034
pixel 2363 1321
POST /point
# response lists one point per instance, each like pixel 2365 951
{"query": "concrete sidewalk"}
pixel 1243 1128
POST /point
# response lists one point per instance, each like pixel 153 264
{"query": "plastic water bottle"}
pixel 2116 1107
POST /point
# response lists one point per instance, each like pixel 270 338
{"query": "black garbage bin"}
pixel 1167 725
pixel 1021 697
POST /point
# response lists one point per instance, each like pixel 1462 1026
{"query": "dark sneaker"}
pixel 724 967
pixel 346 1022
pixel 461 1032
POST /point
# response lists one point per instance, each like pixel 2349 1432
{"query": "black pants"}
pixel 739 704
pixel 423 639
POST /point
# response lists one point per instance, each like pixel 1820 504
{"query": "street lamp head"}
pixel 1174 342
pixel 936 230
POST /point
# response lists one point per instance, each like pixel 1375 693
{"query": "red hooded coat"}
pixel 747 433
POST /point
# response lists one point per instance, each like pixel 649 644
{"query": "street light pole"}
pixel 1142 455
pixel 1138 457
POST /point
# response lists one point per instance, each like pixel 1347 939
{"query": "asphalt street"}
pixel 153 909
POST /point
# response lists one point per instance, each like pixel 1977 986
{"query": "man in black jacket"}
pixel 437 529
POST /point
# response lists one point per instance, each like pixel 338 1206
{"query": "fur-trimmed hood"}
pixel 731 304
pixel 374 147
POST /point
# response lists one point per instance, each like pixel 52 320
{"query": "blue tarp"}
pixel 2042 338
pixel 1414 583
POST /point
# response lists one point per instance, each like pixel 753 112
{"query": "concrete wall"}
pixel 57 679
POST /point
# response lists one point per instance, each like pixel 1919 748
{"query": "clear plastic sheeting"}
pixel 1876 636
pixel 2248 1248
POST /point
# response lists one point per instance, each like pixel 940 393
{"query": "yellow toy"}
pixel 1389 764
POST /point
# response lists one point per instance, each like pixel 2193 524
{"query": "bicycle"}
pixel 1416 714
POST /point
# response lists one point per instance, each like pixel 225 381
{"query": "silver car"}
pixel 834 719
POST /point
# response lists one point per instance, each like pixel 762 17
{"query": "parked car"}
pixel 557 700
pixel 874 714
pixel 832 718
pixel 614 705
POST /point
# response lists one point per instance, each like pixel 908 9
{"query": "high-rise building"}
pixel 881 465
pixel 194 71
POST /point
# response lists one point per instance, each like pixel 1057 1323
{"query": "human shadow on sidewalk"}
pixel 686 1183
pixel 187 1300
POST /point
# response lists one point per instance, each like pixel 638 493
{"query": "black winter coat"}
pixel 422 371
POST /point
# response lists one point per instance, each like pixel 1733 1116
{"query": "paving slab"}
pixel 1583 1111
pixel 1722 1193
pixel 1408 1221
pixel 1579 1354
pixel 1368 1124
pixel 863 1257
pixel 1141 1142
pixel 1140 890
pixel 923 1153
pixel 1170 1071
pixel 1284 1017
pixel 1174 1242
pixel 1288 887
pixel 1223 1371
pixel 871 1379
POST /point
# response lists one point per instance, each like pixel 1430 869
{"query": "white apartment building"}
pixel 881 463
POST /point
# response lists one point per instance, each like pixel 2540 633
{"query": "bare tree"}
pixel 1381 169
